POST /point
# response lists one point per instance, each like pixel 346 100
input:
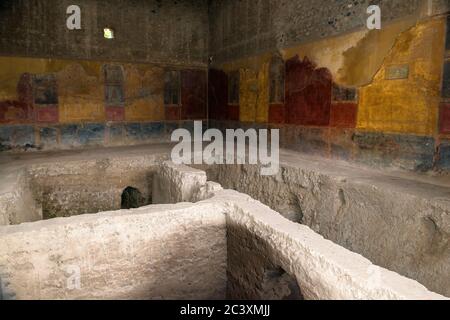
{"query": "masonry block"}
pixel 177 183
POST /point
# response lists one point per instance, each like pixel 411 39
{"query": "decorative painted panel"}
pixel 172 87
pixel 193 94
pixel 308 93
pixel 114 86
pixel 218 95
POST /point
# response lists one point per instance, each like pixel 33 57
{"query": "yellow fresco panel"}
pixel 409 104
pixel 144 89
pixel 254 94
pixel 81 94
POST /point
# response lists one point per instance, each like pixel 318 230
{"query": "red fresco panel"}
pixel 218 95
pixel 343 114
pixel 193 94
pixel 444 119
pixel 173 113
pixel 47 114
pixel 276 113
pixel 308 93
pixel 115 113
pixel 15 112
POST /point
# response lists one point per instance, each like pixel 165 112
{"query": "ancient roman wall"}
pixel 160 252
pixel 225 245
pixel 17 201
pixel 377 97
pixel 74 185
pixel 63 89
pixel 89 186
pixel 270 257
pixel 398 223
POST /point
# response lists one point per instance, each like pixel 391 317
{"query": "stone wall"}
pixel 285 260
pixel 398 223
pixel 63 104
pixel 161 252
pixel 226 245
pixel 62 187
pixel 91 186
pixel 17 202
pixel 176 183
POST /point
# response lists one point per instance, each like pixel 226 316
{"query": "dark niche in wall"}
pixel 277 284
pixel 132 198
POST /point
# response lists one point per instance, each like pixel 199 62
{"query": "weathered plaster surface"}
pixel 248 28
pixel 174 32
pixel 90 186
pixel 402 224
pixel 361 59
pixel 308 93
pixel 176 183
pixel 396 116
pixel 158 252
pixel 17 203
pixel 58 186
pixel 254 94
pixel 407 105
pixel 81 90
pixel 322 269
pixel 86 106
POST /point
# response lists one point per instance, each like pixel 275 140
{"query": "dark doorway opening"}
pixel 132 198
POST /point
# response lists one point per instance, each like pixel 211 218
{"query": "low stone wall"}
pixel 266 252
pixel 17 204
pixel 398 223
pixel 225 245
pixel 176 183
pixel 270 257
pixel 157 252
pixel 67 188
